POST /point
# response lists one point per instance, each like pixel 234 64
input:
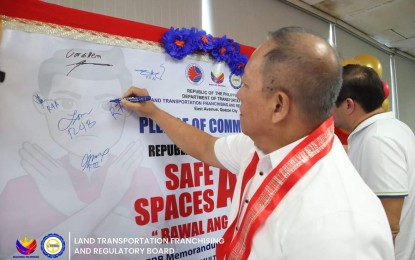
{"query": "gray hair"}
pixel 312 81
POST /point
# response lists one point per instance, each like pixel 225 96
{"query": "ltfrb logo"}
pixel 26 246
pixel 52 245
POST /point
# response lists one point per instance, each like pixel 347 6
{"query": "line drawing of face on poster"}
pixel 75 88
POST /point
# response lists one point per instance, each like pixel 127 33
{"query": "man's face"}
pixel 84 121
pixel 255 109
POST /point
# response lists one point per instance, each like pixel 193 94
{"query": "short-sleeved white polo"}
pixel 382 149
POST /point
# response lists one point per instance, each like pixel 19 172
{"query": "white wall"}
pixel 405 77
pixel 248 22
pixel 165 13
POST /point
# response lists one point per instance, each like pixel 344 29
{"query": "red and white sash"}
pixel 237 243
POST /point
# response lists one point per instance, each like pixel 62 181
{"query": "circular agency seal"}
pixel 194 74
pixel 52 245
pixel 235 80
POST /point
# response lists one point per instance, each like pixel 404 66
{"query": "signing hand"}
pixel 147 108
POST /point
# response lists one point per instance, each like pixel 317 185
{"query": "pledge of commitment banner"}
pixel 83 178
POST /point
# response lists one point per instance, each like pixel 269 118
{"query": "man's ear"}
pixel 281 106
pixel 350 105
pixel 39 102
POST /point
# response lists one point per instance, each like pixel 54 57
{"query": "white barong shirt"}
pixel 329 214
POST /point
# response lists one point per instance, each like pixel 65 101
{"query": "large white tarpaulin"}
pixel 83 178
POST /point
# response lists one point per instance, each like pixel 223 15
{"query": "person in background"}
pixel 297 194
pixel 382 149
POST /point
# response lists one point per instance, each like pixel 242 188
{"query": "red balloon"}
pixel 386 89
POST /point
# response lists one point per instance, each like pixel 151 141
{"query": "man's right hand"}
pixel 147 108
pixel 190 139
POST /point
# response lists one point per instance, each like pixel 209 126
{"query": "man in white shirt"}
pixel 297 195
pixel 382 149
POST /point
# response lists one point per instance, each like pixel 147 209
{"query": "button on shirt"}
pixel 265 165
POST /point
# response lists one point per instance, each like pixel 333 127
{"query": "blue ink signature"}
pixel 93 161
pixel 116 110
pixel 76 123
pixel 50 104
pixel 150 74
pixel 38 99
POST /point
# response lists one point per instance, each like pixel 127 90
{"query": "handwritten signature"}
pixel 151 74
pixel 93 161
pixel 83 62
pixel 46 103
pixel 76 123
pixel 117 110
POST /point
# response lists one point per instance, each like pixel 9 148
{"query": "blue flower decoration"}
pixel 237 63
pixel 203 41
pixel 222 49
pixel 179 43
